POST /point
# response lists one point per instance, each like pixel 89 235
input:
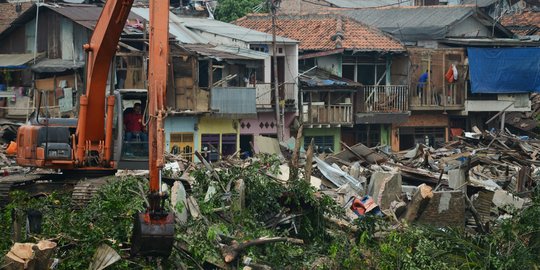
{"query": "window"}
pixel 182 144
pixel 30 35
pixel 368 71
pixel 369 135
pixel 322 144
pixel 432 136
pixel 228 144
pixel 210 147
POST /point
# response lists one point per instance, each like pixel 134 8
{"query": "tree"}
pixel 230 10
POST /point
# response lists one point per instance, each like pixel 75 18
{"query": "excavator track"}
pixel 82 187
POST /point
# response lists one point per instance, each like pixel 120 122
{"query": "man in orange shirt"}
pixel 133 121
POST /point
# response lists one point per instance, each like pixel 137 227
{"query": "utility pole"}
pixel 279 127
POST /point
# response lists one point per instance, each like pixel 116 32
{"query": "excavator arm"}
pixel 153 233
pixel 101 49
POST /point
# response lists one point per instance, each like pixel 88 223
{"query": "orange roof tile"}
pixel 522 23
pixel 321 32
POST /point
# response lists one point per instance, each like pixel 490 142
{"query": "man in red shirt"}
pixel 133 122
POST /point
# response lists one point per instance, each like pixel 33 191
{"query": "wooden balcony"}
pixel 434 98
pixel 265 95
pixel 384 99
pixel 319 114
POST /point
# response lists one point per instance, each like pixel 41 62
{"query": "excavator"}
pixel 85 145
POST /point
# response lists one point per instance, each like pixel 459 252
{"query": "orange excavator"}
pixel 88 146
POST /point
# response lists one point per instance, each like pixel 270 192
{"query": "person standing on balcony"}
pixel 421 86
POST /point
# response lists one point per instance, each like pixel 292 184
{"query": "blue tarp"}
pixel 504 70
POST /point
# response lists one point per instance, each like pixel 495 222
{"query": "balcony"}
pixel 320 114
pixel 385 98
pixel 265 95
pixel 434 98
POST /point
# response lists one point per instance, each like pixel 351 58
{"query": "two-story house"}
pixel 222 93
pixel 219 93
pixel 437 38
pixel 353 81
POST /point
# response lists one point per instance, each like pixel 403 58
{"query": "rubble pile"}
pixel 286 208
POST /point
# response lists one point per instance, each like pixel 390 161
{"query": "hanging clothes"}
pixel 455 72
pixel 449 76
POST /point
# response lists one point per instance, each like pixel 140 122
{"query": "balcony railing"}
pixel 385 98
pixel 433 97
pixel 265 95
pixel 320 114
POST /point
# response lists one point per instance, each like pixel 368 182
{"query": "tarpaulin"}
pixel 504 70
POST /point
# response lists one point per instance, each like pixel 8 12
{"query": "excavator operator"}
pixel 133 121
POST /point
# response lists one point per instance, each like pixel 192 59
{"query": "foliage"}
pixel 230 10
pixel 513 243
pixel 108 219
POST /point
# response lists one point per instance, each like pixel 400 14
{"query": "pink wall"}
pixel 265 124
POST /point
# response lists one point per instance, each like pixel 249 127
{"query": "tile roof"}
pixel 523 23
pixel 322 32
pixel 9 13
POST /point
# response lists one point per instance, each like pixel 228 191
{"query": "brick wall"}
pixel 445 209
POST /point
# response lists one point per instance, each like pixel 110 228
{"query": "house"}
pixel 352 82
pixel 230 67
pixel 437 38
pixel 219 95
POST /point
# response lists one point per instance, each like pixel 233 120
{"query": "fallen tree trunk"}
pixel 230 252
pixel 420 198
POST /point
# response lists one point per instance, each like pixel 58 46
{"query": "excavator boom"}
pixel 153 233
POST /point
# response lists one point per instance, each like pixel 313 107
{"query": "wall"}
pixel 331 63
pixel 336 132
pixel 296 6
pixel 208 125
pixel 400 70
pixel 521 104
pixel 258 126
pixel 470 27
pixel 173 124
pixel 419 120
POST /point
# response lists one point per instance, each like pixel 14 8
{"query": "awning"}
pixel 56 65
pixel 15 61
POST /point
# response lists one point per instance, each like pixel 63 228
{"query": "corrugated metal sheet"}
pixel 224 52
pixel 368 3
pixel 480 3
pixel 176 28
pixel 233 101
pixel 85 15
pixel 231 31
pixel 15 60
pixel 411 24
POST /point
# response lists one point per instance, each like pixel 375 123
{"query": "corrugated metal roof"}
pixel 480 3
pixel 15 60
pixel 368 3
pixel 179 31
pixel 415 23
pixel 225 52
pixel 231 31
pixel 85 15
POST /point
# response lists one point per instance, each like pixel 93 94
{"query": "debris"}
pixel 30 256
pixel 385 187
pixel 103 258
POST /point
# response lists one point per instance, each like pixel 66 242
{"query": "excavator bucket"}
pixel 152 237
